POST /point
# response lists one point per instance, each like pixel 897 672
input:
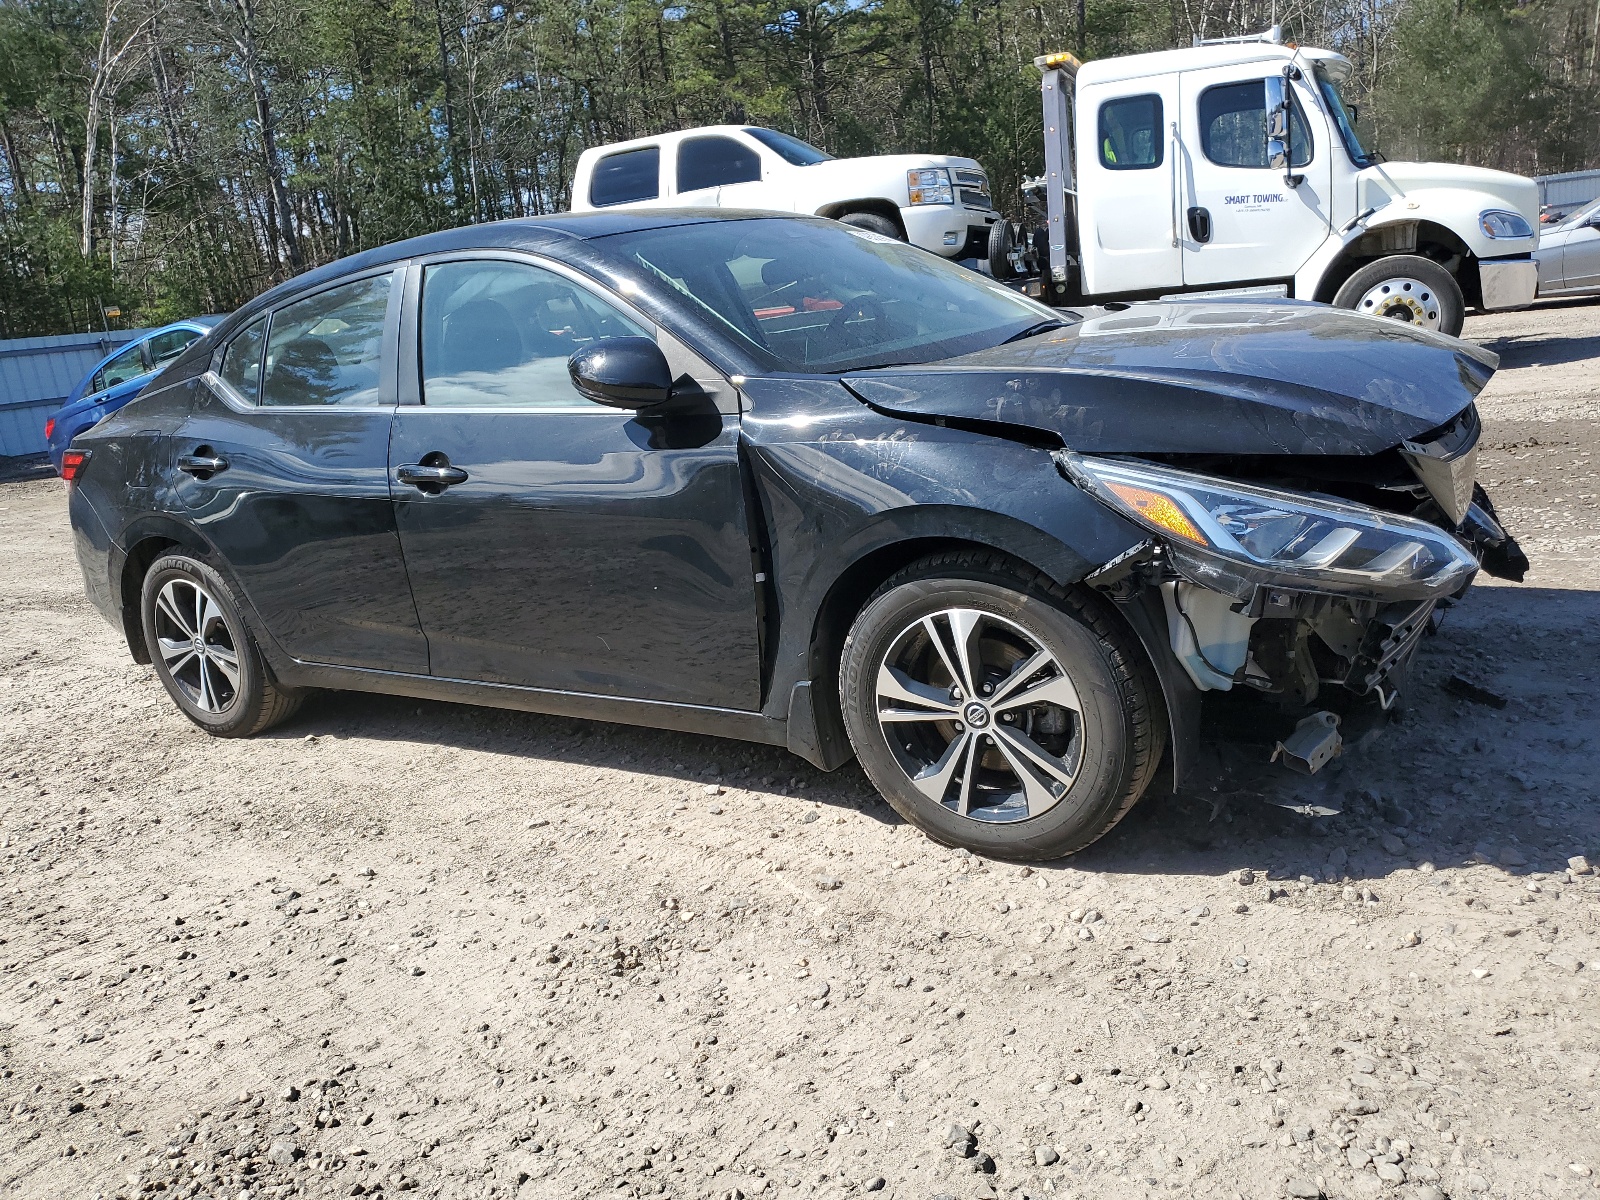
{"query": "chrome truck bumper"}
pixel 1507 282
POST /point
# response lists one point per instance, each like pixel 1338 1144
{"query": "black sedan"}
pixel 788 481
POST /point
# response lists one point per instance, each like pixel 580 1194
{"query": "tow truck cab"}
pixel 1237 163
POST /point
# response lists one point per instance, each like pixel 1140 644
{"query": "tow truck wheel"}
pixel 1409 288
pixel 875 223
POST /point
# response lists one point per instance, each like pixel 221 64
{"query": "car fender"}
pixel 873 493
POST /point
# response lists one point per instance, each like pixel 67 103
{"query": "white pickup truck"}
pixel 935 201
pixel 1236 163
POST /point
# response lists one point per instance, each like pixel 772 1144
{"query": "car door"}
pixel 562 544
pixel 1242 220
pixel 1580 255
pixel 282 463
pixel 1127 174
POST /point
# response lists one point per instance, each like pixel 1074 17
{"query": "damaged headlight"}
pixel 1233 537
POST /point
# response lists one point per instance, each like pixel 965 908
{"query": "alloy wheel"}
pixel 1402 299
pixel 198 649
pixel 980 715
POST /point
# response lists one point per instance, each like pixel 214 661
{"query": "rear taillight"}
pixel 72 464
pixel 49 428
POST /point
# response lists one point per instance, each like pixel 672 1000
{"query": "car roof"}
pixel 671 138
pixel 525 233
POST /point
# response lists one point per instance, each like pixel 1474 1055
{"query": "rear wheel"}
pixel 998 711
pixel 1408 288
pixel 204 655
pixel 874 223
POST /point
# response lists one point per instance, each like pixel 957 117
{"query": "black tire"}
pixel 182 595
pixel 1002 242
pixel 1432 295
pixel 1116 736
pixel 874 223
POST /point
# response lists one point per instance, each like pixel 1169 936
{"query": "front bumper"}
pixel 950 230
pixel 1507 282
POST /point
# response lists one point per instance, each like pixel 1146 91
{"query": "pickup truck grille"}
pixel 973 187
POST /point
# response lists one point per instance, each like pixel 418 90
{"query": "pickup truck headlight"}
pixel 1233 537
pixel 1498 223
pixel 930 185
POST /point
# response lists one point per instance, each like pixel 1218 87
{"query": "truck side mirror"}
pixel 1277 100
pixel 1277 109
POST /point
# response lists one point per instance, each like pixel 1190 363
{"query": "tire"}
pixel 226 688
pixel 1409 288
pixel 1094 711
pixel 874 223
pixel 1002 242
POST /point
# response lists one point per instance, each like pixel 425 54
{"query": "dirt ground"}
pixel 398 946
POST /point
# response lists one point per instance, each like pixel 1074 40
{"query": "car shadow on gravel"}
pixel 1444 781
pixel 1520 350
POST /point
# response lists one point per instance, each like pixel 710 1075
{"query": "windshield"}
pixel 818 297
pixel 791 149
pixel 1581 216
pixel 1329 87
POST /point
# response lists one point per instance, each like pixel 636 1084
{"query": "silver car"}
pixel 1569 254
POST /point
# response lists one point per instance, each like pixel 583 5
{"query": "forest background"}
pixel 172 157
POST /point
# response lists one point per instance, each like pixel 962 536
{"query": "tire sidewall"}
pixel 873 223
pixel 1452 304
pixel 1098 791
pixel 249 698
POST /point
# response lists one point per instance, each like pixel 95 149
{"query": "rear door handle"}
pixel 430 478
pixel 202 465
pixel 1200 224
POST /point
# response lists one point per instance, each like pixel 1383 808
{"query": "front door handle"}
pixel 1200 224
pixel 431 478
pixel 203 463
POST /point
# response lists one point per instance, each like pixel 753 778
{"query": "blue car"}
pixel 117 379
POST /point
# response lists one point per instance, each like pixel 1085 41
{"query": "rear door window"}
pixel 706 162
pixel 328 349
pixel 241 361
pixel 125 366
pixel 626 177
pixel 1130 133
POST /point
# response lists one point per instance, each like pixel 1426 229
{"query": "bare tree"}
pixel 111 64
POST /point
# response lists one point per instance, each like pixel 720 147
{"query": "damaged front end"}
pixel 1311 580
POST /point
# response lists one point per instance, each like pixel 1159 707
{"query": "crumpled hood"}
pixel 1204 377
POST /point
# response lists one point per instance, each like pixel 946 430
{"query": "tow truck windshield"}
pixel 1329 87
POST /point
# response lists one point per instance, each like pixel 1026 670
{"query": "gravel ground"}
pixel 398 946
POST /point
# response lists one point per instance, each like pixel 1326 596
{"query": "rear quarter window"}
pixel 626 177
pixel 1130 133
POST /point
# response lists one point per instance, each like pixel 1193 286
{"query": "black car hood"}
pixel 1203 377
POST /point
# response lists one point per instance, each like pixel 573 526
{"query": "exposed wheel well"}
pixel 870 205
pixel 1424 238
pixel 133 572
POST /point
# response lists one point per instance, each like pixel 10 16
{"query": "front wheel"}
pixel 1408 288
pixel 204 655
pixel 997 711
pixel 874 223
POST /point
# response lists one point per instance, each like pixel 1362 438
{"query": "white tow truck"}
pixel 1235 164
pixel 936 201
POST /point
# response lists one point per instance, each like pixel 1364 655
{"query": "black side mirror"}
pixel 623 372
